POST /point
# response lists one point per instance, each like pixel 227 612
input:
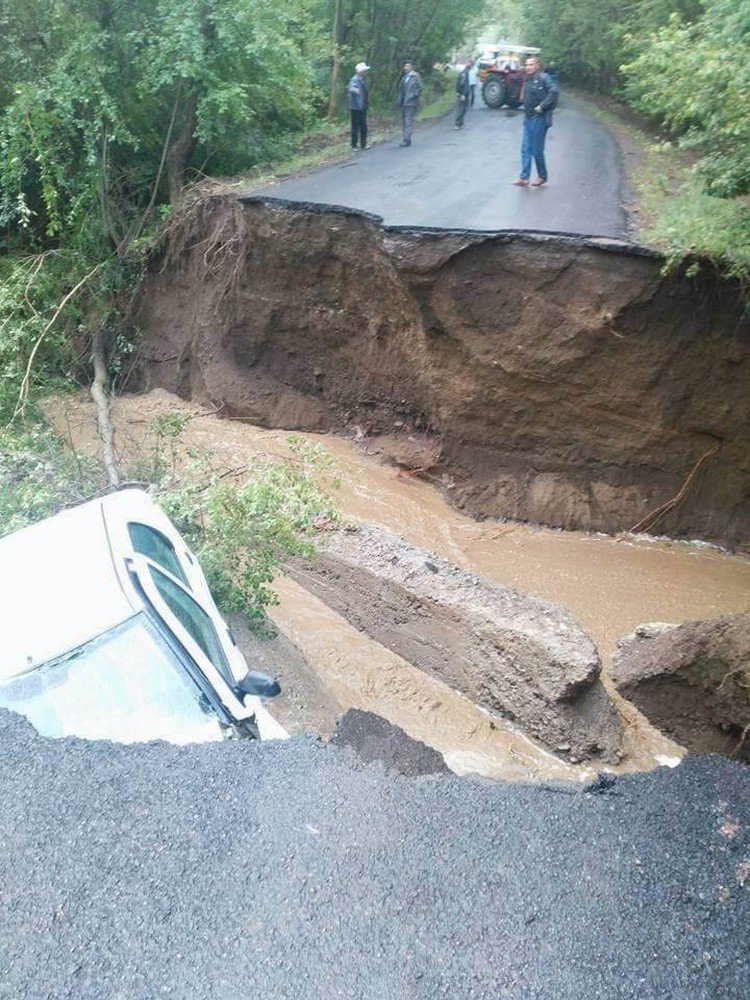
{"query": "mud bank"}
pixel 692 681
pixel 555 380
pixel 519 656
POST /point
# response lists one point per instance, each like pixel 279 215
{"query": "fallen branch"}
pixel 23 394
pixel 650 520
pixel 101 399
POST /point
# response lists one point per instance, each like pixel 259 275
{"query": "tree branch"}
pixel 23 394
pixel 101 399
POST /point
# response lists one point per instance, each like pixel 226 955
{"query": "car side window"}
pixel 194 620
pixel 151 543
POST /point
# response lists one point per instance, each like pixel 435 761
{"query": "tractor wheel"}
pixel 493 92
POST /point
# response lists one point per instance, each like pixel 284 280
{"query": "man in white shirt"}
pixel 471 69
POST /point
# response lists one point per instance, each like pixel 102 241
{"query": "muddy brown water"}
pixel 611 585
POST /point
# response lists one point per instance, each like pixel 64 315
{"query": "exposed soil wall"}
pixel 692 681
pixel 558 380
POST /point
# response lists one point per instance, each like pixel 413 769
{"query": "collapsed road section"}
pixel 552 379
pixel 519 656
pixel 289 870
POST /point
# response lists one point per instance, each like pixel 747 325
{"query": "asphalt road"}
pixel 463 179
pixel 287 871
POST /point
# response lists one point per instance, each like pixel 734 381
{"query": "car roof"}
pixel 59 586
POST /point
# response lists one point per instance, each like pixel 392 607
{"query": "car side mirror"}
pixel 258 685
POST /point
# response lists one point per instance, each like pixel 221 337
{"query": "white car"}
pixel 109 631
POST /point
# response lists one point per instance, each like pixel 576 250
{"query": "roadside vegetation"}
pixel 109 112
pixel 684 67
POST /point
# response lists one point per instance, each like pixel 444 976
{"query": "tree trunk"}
pixel 180 150
pixel 336 63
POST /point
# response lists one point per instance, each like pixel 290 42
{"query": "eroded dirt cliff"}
pixel 556 380
pixel 692 681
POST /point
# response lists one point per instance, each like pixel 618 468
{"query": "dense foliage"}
pixel 384 33
pixel 685 64
pixel 696 78
pixel 590 39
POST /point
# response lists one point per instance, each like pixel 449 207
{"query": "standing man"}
pixel 462 97
pixel 358 101
pixel 471 66
pixel 539 98
pixel 411 88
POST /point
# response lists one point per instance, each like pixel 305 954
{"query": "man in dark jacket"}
pixel 409 91
pixel 358 96
pixel 463 90
pixel 539 98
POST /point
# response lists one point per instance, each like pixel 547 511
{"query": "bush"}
pixel 242 535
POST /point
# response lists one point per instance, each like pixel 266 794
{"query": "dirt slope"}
pixel 560 381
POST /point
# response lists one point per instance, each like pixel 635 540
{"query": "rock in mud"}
pixel 521 657
pixel 373 738
pixel 692 681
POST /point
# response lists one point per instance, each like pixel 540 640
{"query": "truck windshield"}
pixel 126 685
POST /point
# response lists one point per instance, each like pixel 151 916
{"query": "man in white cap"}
pixel 358 101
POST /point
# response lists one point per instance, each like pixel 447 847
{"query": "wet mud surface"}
pixel 521 658
pixel 610 585
pixel 692 681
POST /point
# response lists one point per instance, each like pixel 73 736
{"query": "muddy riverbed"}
pixel 610 584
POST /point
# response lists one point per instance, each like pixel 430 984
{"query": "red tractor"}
pixel 501 86
pixel 501 73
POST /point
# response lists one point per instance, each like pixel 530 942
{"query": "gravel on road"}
pixel 290 870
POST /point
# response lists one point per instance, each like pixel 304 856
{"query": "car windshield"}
pixel 126 685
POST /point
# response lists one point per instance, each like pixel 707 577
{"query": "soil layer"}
pixel 555 380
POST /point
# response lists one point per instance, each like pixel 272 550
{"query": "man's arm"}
pixel 553 92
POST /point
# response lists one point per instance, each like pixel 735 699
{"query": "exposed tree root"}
pixel 650 519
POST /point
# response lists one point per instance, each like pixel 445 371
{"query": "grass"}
pixel 670 209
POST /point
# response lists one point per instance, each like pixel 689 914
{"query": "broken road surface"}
pixel 288 870
pixel 463 179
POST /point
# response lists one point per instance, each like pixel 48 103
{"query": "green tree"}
pixel 587 38
pixel 111 102
pixel 106 108
pixel 695 78
pixel 385 32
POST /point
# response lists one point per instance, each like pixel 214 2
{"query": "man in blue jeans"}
pixel 539 97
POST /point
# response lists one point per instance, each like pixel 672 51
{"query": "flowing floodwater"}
pixel 611 585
